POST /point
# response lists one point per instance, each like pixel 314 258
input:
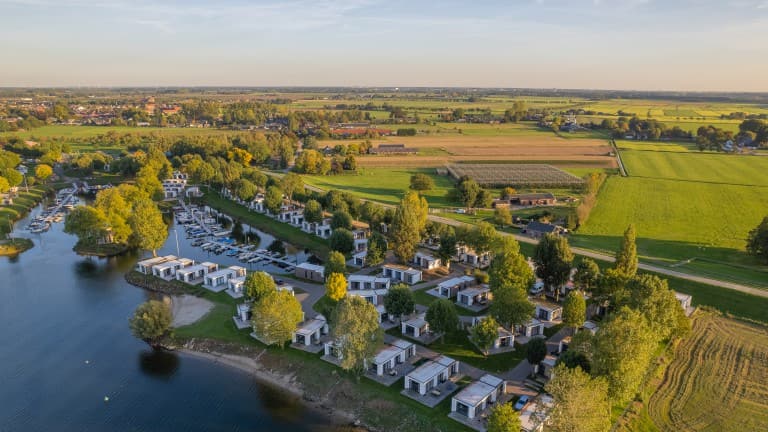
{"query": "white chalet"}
pixel 310 331
pixel 389 356
pixel 218 280
pixel 476 397
pixel 398 273
pixel 431 374
pixel 451 287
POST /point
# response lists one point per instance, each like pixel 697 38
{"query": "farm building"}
pixel 537 229
pixel 392 149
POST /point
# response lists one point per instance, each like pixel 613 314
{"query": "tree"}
pixel 273 199
pixel 507 192
pixel 276 246
pixel 409 222
pixel 259 285
pixel 117 209
pixel 511 306
pixel 574 310
pixel 357 331
pixel 313 211
pixel 377 249
pixel 447 249
pixel 484 333
pixel 291 184
pixel 536 351
pixel 652 297
pixel 149 230
pixel 622 351
pixel 4 185
pixel 573 358
pixel 467 191
pixel 43 171
pixel 335 286
pixel 341 219
pixel 509 267
pixel 245 190
pixel 342 240
pixel 275 317
pixel 442 317
pixel 502 216
pixel 553 258
pixel 151 321
pixel 483 238
pixel 399 301
pixel 580 403
pixel 421 182
pixel 626 257
pixel 336 263
pixel 13 177
pixel 757 241
pixel 89 224
pixel 587 274
pixel 503 418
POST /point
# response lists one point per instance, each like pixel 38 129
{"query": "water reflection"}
pixel 86 268
pixel 279 404
pixel 158 363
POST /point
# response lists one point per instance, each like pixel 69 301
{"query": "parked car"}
pixel 537 289
pixel 522 402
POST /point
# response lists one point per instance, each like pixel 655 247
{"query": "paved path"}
pixel 599 256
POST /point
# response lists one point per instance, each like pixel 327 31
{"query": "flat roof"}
pixel 681 296
pixel 491 380
pixel 455 281
pixel 590 325
pixel 418 321
pixel 386 353
pixel 167 264
pixel 427 371
pixel 221 272
pixel 402 268
pixel 310 326
pixel 533 322
pixel 312 267
pixel 364 278
pixel 475 291
pixel 156 260
pixel 475 393
pixel 547 305
pixel 529 417
pixel 401 343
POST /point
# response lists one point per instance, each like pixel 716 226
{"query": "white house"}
pixel 196 273
pixel 145 266
pixel 193 192
pixel 684 299
pixel 243 312
pixel 426 261
pixel 257 204
pixel 358 259
pixel 362 282
pixel 532 328
pixel 591 326
pixel 310 271
pixel 549 312
pixel 415 326
pixel 310 331
pixel 236 286
pixel 478 295
pixel 431 374
pixel 374 297
pixel 400 273
pixel 167 270
pixel 297 218
pixel 504 339
pixel 361 240
pixel 475 398
pixel 321 229
pixel 218 280
pixel 451 287
pixel 467 255
pixel 389 356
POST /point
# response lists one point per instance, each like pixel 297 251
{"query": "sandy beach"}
pixel 188 309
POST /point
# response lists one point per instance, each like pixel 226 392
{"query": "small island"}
pixel 13 247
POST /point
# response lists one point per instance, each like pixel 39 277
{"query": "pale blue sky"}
pixel 608 44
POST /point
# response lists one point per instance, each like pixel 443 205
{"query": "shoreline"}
pixel 286 383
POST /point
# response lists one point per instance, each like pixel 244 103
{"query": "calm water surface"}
pixel 65 346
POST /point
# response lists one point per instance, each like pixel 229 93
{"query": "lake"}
pixel 65 346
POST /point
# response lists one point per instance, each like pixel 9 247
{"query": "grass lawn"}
pixel 280 230
pixel 421 297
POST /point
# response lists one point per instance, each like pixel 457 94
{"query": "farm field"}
pixel 68 131
pixel 517 175
pixel 696 207
pixel 717 381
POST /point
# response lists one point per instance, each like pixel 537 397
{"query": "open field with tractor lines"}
pixel 717 381
pixel 517 175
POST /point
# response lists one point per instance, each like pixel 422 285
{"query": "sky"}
pixel 689 45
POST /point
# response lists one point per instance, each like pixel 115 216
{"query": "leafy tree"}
pixel 335 286
pixel 626 257
pixel 511 306
pixel 377 249
pixel 13 177
pixel 117 210
pixel 356 329
pixel 149 230
pixel 509 267
pixel 573 358
pixel 622 351
pixel 341 219
pixel 502 216
pixel 399 301
pixel 536 350
pixel 442 317
pixel 484 333
pixel 421 182
pixel 313 211
pixel 652 297
pixel 336 263
pixel 574 310
pixel 275 317
pixel 87 223
pixel 757 240
pixel 587 274
pixel 4 185
pixel 342 240
pixel 259 285
pixel 483 237
pixel 291 184
pixel 276 247
pixel 409 222
pixel 467 191
pixel 273 199
pixel 245 190
pixel 507 192
pixel 151 321
pixel 43 171
pixel 447 249
pixel 147 180
pixel 503 418
pixel 580 403
pixel 484 199
pixel 553 258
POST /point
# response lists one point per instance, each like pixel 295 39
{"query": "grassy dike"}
pixel 264 223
